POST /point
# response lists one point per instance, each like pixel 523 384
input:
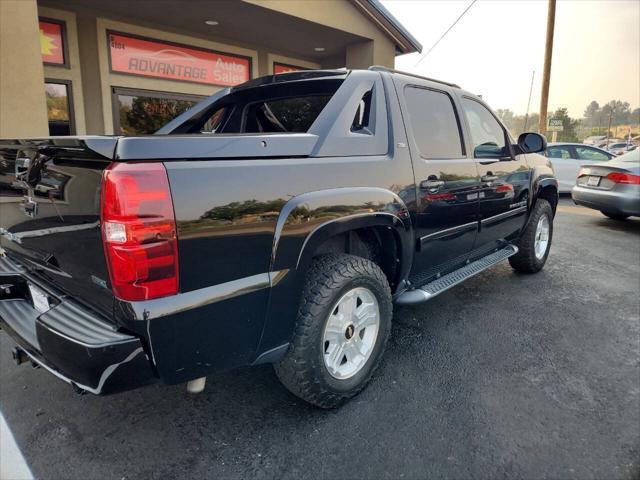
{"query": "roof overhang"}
pixel 383 19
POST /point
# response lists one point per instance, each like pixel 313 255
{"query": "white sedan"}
pixel 620 148
pixel 567 158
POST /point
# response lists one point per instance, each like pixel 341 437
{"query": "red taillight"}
pixel 506 187
pixel 621 177
pixel 139 231
pixel 439 196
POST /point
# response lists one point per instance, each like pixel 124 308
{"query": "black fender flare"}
pixel 303 224
pixel 541 183
pixel 307 220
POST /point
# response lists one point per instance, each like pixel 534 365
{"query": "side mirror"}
pixel 532 143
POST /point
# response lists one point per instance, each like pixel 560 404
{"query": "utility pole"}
pixel 546 74
pixel 608 130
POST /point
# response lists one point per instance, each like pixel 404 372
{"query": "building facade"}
pixel 78 67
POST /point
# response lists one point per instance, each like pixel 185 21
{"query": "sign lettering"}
pixel 555 125
pixel 155 59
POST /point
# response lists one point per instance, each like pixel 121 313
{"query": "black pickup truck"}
pixel 275 222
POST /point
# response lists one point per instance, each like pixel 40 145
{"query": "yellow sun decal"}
pixel 46 44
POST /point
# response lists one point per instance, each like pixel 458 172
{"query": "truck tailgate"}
pixel 50 213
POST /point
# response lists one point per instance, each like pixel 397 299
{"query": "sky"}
pixel 495 47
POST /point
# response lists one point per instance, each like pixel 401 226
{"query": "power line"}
pixel 445 33
pixel 526 117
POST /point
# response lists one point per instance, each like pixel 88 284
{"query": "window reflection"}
pixel 144 114
pixel 58 108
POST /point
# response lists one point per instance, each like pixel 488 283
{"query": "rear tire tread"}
pixel 298 371
pixel 525 260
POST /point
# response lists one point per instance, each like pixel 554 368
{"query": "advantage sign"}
pixel 139 56
pixel 554 125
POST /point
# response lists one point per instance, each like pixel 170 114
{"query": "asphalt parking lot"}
pixel 505 376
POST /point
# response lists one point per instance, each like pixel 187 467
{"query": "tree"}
pixel 569 125
pixel 506 116
pixel 620 112
pixel 516 123
pixel 591 113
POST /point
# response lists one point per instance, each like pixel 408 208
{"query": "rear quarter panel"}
pixel 227 214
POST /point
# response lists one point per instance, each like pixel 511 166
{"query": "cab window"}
pixel 488 136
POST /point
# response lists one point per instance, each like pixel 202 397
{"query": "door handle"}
pixel 489 178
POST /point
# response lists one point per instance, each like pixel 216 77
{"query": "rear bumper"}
pixel 621 203
pixel 69 341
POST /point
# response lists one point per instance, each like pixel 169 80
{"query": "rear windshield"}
pixel 293 114
pixel 289 107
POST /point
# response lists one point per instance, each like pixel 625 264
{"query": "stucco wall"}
pixel 342 15
pixel 23 111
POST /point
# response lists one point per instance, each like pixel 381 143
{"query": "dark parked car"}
pixel 275 222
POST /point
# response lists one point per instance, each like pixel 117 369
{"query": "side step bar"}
pixel 439 285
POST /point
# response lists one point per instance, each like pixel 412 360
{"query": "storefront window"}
pixel 141 113
pixel 53 44
pixel 59 111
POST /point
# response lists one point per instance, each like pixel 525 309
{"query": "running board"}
pixel 445 282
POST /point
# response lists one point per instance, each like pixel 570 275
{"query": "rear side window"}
pixel 434 124
pixel 586 153
pixel 292 115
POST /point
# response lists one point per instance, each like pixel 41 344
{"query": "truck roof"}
pixel 378 68
pixel 317 74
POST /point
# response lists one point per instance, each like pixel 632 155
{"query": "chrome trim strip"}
pixel 502 216
pixel 162 307
pixel 17 237
pixel 449 231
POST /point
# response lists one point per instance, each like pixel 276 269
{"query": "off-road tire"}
pixel 614 216
pixel 525 260
pixel 303 370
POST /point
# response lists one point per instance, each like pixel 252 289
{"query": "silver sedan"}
pixel 612 187
pixel 567 158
